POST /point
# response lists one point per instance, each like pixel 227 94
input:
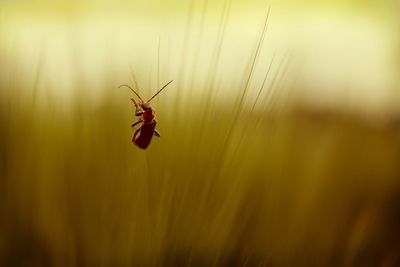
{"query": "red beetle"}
pixel 147 118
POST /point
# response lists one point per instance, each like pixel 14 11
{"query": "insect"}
pixel 147 118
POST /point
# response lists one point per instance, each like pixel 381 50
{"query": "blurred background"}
pixel 280 135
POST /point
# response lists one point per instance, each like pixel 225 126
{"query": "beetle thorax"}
pixel 149 115
pixel 145 106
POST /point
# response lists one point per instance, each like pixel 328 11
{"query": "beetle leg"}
pixel 156 133
pixel 138 112
pixel 139 121
pixel 137 108
pixel 134 102
pixel 134 135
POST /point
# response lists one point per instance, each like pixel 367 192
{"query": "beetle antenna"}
pixel 159 91
pixel 131 90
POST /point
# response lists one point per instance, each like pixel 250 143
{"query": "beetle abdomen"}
pixel 146 134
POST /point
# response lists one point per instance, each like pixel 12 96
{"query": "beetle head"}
pixel 145 106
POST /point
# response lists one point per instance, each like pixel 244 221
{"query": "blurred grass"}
pixel 283 184
pixel 296 187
